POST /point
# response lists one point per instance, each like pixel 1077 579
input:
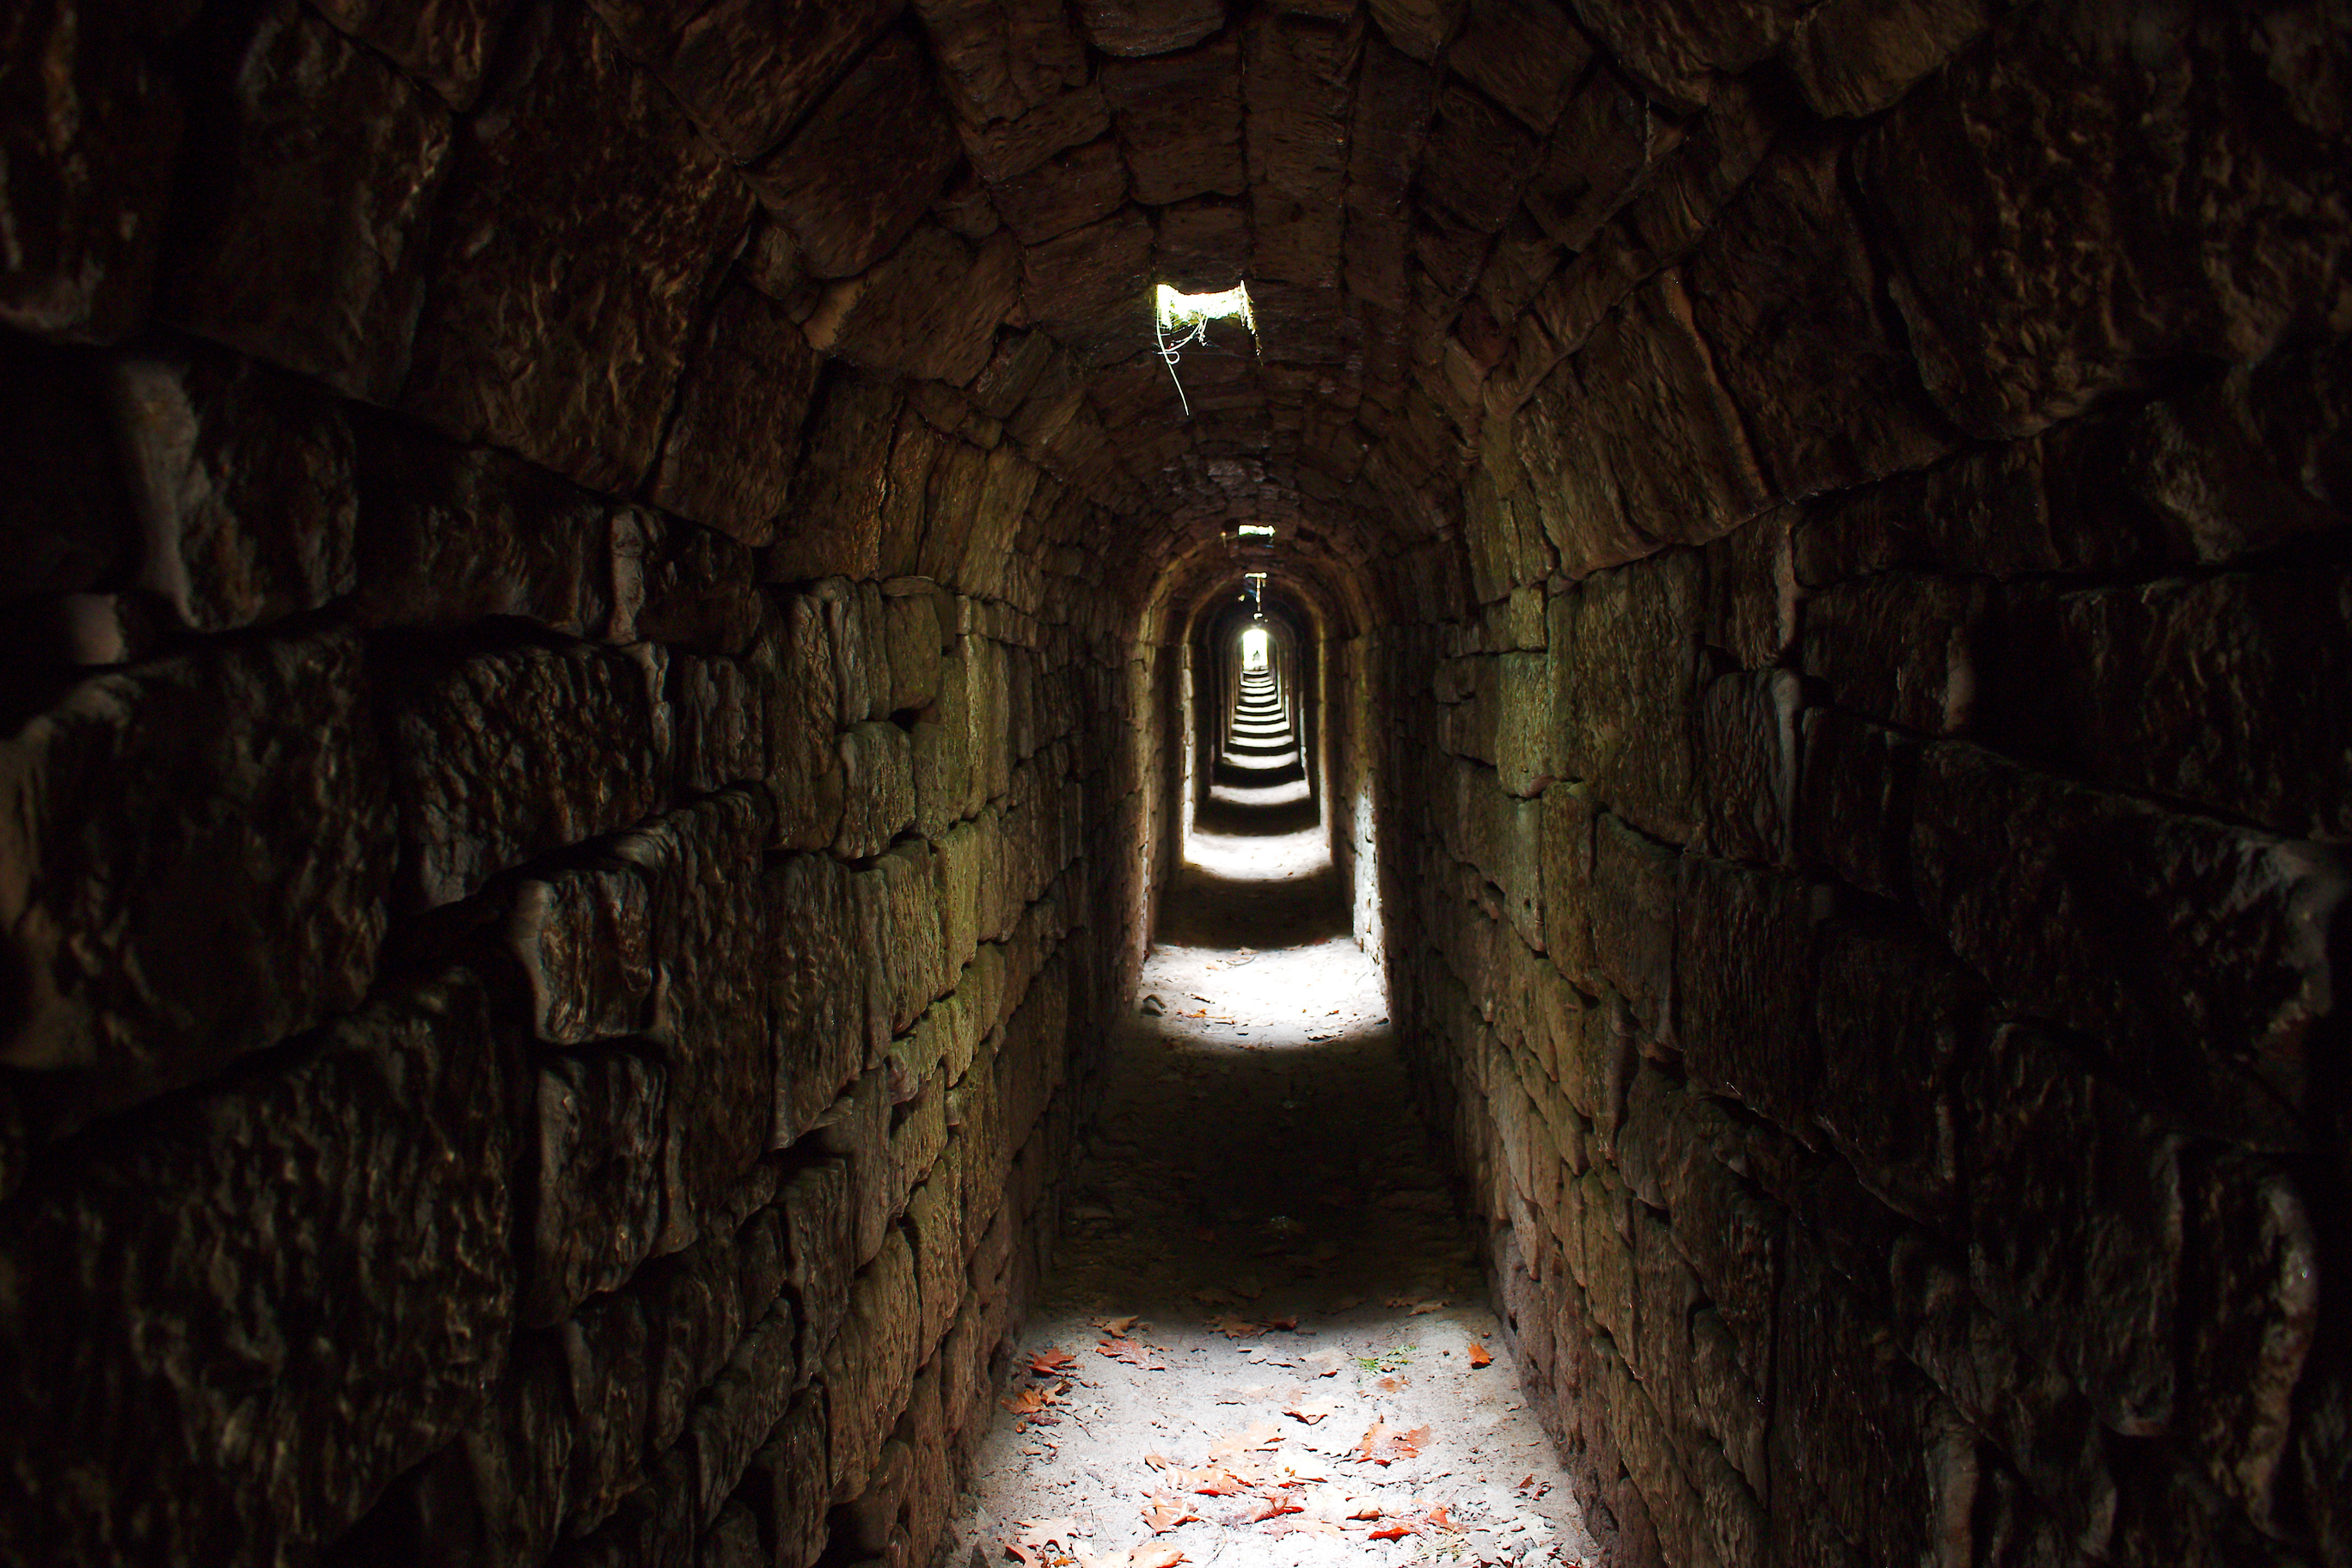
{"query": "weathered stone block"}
pixel 586 209
pixel 1858 1434
pixel 302 237
pixel 711 990
pixel 1784 292
pixel 1625 648
pixel 2074 1210
pixel 788 1483
pixel 1635 892
pixel 1677 49
pixel 866 164
pixel 677 583
pixel 1854 800
pixel 818 1000
pixel 1896 1018
pixel 748 71
pixel 95 143
pixel 841 484
pixel 929 310
pixel 1565 848
pixel 2023 305
pixel 1146 28
pixel 2196 950
pixel 604 1352
pixel 450 535
pixel 2251 1303
pixel 1747 763
pixel 446 44
pixel 1857 57
pixel 727 461
pixel 243 484
pixel 818 1242
pixel 878 780
pixel 603 1123
pixel 1899 648
pixel 505 754
pixel 1744 944
pixel 2198 690
pixel 278 827
pixel 872 1364
pixel 362 1180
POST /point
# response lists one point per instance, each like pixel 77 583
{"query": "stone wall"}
pixel 564 854
pixel 1869 931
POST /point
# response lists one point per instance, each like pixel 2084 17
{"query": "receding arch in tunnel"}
pixel 605 608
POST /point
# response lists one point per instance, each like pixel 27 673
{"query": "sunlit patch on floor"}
pixel 1265 1339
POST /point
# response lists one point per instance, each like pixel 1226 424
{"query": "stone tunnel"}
pixel 612 624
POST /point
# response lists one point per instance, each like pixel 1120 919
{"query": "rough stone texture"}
pixel 310 225
pixel 492 761
pixel 361 1182
pixel 282 830
pixel 748 70
pixel 2104 97
pixel 885 114
pixel 244 487
pixel 607 256
pixel 728 458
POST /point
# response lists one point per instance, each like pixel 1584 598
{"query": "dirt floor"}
pixel 1264 1341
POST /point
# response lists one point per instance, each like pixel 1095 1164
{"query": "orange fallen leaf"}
pixel 1134 1352
pixel 1384 1444
pixel 1163 1511
pixel 1310 1411
pixel 1393 1532
pixel 1217 1482
pixel 1437 1516
pixel 1117 1328
pixel 1259 1436
pixel 1050 1362
pixel 1237 1328
pixel 1151 1556
pixel 1029 1401
pixel 1158 1461
pixel 1424 1307
pixel 1480 1355
pixel 1274 1510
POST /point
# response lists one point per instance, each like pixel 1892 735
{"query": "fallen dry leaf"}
pixel 1029 1401
pixel 1310 1411
pixel 1437 1516
pixel 1426 1307
pixel 1274 1510
pixel 1393 1532
pixel 1134 1352
pixel 1217 1481
pixel 1286 1325
pixel 1237 1328
pixel 1158 1461
pixel 1384 1444
pixel 1051 1362
pixel 1259 1437
pixel 1164 1511
pixel 1152 1556
pixel 1327 1363
pixel 1480 1355
pixel 1117 1328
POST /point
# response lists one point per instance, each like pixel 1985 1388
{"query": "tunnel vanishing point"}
pixel 612 613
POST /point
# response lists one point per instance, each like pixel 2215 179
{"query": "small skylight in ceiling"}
pixel 1184 319
pixel 1255 531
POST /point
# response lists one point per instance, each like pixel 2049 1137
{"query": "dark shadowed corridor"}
pixel 720 718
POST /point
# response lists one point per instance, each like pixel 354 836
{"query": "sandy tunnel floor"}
pixel 1264 1342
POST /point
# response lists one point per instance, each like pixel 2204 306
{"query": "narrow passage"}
pixel 1264 1342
